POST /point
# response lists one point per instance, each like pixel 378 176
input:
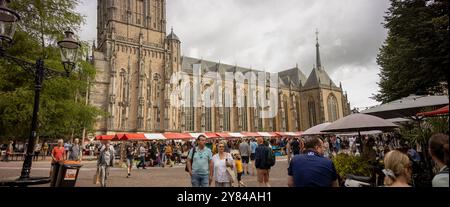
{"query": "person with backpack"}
pixel 199 164
pixel 311 169
pixel 264 160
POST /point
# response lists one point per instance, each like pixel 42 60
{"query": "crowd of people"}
pixel 41 150
pixel 224 162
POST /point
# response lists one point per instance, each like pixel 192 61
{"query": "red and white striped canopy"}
pixel 174 135
pixel 268 134
pixel 289 133
pixel 206 134
pixel 251 134
pixel 182 136
pixel 104 137
pixel 155 136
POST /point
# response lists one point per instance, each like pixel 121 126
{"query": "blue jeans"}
pixel 141 162
pixel 200 180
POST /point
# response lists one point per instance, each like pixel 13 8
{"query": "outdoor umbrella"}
pixel 316 130
pixel 359 123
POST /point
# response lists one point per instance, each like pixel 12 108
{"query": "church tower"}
pixel 322 101
pixel 134 60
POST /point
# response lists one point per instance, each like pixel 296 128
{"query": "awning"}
pixel 251 134
pixel 268 134
pixel 119 136
pixel 236 134
pixel 224 135
pixel 206 134
pixel 287 134
pixel 173 135
pixel 440 111
pixel 211 135
pixel 134 137
pixel 155 136
pixel 104 137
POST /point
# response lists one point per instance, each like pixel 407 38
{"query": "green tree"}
pixel 62 107
pixel 414 57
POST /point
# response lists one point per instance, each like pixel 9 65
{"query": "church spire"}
pixel 318 63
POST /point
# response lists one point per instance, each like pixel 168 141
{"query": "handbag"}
pixel 192 160
pixel 232 175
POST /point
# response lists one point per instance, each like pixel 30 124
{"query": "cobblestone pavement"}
pixel 150 177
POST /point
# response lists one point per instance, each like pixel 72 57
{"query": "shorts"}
pixel 263 175
pixel 129 162
pixel 239 175
pixel 252 156
pixel 245 159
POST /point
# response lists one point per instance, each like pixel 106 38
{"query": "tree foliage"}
pixel 63 108
pixel 414 57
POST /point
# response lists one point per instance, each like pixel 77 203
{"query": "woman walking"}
pixel 221 161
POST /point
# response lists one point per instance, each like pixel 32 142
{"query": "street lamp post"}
pixel 69 49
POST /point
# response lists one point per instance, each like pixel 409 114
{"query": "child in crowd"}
pixel 239 169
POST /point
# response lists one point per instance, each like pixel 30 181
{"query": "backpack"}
pixel 270 158
pixel 192 160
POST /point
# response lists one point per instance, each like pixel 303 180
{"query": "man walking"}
pixel 295 146
pixel 37 151
pixel 200 165
pixel 75 151
pixel 142 153
pixel 253 146
pixel 262 163
pixel 245 151
pixel 104 162
pixel 129 151
pixel 311 169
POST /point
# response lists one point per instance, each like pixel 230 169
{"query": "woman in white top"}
pixel 222 160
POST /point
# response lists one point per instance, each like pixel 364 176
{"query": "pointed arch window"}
pixel 312 112
pixel 244 115
pixel 208 117
pixel 286 114
pixel 226 114
pixel 332 108
pixel 189 109
pixel 124 92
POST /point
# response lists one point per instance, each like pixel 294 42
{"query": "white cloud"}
pixel 276 34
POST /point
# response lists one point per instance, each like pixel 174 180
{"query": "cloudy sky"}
pixel 276 34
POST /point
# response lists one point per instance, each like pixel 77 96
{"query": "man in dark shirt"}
pixel 311 169
pixel 130 151
pixel 295 146
pixel 261 164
